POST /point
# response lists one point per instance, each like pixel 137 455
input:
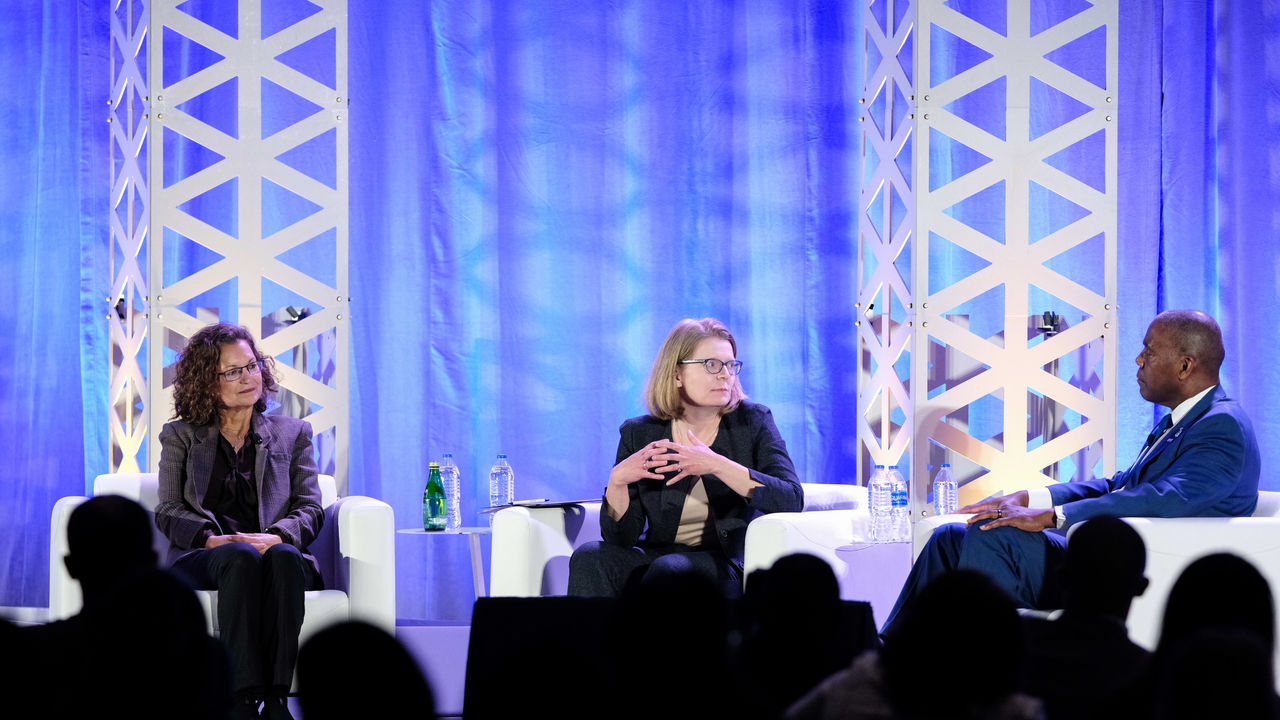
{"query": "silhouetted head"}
pixel 1219 591
pixel 1215 673
pixel 1103 567
pixel 354 669
pixel 799 590
pixel 989 670
pixel 108 537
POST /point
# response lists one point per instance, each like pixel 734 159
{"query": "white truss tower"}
pixel 1013 214
pixel 246 210
pixel 128 402
pixel 886 230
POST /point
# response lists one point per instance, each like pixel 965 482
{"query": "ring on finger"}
pixel 999 514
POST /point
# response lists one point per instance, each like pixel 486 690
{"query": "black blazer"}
pixel 748 437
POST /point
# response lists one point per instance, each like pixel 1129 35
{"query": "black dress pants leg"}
pixel 260 608
pixel 286 576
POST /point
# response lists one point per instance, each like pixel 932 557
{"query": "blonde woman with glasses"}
pixel 690 475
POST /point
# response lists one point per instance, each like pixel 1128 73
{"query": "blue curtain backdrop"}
pixel 540 190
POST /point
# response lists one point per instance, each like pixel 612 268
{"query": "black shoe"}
pixel 276 708
pixel 244 708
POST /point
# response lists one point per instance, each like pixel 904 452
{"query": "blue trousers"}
pixel 1016 560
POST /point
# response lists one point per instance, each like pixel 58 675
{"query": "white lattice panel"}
pixel 127 406
pixel 885 228
pixel 249 195
pixel 1015 172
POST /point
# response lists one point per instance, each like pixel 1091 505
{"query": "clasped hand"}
pixel 660 458
pixel 1009 511
pixel 259 541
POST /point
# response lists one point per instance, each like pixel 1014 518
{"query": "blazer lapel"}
pixel 1172 437
pixel 261 467
pixel 200 463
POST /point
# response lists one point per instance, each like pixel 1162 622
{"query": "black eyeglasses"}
pixel 714 365
pixel 234 373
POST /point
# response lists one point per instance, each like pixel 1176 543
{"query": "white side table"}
pixel 876 574
pixel 473 538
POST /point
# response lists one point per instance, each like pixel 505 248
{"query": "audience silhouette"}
pixel 670 650
pixel 354 669
pixel 674 650
pixel 139 645
pixel 1101 575
pixel 792 633
pixel 913 677
pixel 1219 629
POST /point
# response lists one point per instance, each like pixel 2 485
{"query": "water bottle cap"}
pixel 434 465
pixel 502 456
pixel 448 456
pixel 879 467
pixel 946 464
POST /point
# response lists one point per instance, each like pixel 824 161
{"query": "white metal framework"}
pixel 247 209
pixel 885 228
pixel 128 402
pixel 1019 212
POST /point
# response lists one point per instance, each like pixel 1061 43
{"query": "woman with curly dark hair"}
pixel 239 502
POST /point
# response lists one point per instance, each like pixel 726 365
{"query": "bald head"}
pixel 1181 355
pixel 1196 334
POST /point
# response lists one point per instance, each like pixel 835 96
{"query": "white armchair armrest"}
pixel 1173 543
pixel 819 533
pixel 366 542
pixel 923 530
pixel 531 547
pixel 65 599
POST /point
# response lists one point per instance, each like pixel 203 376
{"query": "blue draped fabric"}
pixel 53 260
pixel 540 190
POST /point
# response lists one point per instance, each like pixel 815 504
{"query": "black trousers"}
pixel 601 569
pixel 260 608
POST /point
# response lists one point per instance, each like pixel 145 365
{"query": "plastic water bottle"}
pixel 881 492
pixel 433 511
pixel 901 510
pixel 502 484
pixel 946 494
pixel 452 480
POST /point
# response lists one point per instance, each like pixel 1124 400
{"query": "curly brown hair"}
pixel 196 397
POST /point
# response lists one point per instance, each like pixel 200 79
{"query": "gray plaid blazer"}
pixel 288 493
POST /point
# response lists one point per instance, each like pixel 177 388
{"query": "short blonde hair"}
pixel 661 394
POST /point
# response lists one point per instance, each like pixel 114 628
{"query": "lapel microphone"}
pixel 255 438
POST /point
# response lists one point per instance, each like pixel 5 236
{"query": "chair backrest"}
pixel 144 488
pixel 824 496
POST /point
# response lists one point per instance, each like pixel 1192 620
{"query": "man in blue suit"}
pixel 1201 460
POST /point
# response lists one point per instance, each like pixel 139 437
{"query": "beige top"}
pixel 694 517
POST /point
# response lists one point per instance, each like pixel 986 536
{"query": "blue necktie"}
pixel 1161 427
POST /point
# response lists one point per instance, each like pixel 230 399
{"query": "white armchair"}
pixel 1172 544
pixel 531 546
pixel 355 551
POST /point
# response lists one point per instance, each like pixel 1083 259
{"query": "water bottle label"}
pixel 899 498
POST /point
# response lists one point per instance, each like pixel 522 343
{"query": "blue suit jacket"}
pixel 1207 465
